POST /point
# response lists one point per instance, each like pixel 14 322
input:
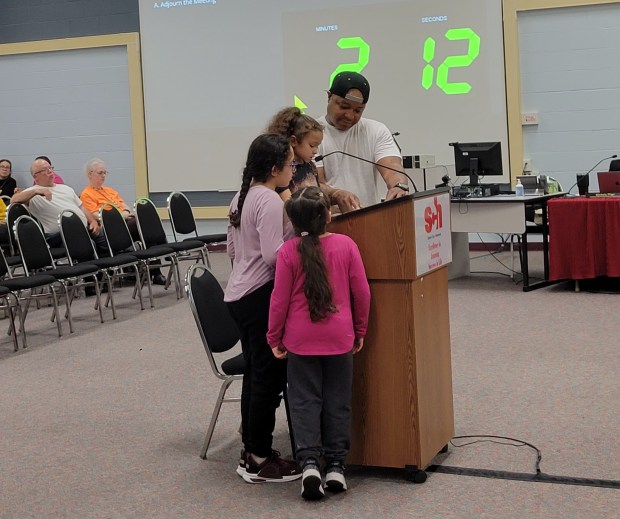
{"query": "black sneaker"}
pixel 334 478
pixel 159 279
pixel 243 463
pixel 311 484
pixel 273 470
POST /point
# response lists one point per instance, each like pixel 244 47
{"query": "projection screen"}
pixel 215 72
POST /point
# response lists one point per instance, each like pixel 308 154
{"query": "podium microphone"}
pixel 590 171
pixel 394 135
pixel 319 158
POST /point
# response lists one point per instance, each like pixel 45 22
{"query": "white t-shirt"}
pixel 47 211
pixel 368 139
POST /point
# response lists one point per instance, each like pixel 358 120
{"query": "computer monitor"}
pixel 477 159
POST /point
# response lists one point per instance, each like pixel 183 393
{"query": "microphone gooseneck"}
pixel 394 135
pixel 590 170
pixel 319 158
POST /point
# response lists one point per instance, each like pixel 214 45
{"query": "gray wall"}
pixel 70 105
pixel 570 76
pixel 33 20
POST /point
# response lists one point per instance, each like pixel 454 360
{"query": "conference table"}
pixel 584 238
pixel 505 214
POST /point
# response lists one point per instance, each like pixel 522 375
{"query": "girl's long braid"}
pixel 235 216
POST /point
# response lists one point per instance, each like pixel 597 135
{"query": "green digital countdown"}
pixel 363 56
pixel 428 54
pixel 430 75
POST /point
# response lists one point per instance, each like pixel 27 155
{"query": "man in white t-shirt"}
pixel 46 200
pixel 350 182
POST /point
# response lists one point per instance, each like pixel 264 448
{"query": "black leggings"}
pixel 265 376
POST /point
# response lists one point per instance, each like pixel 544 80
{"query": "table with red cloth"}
pixel 584 238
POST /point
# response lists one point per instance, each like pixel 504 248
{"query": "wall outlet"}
pixel 423 161
pixel 529 118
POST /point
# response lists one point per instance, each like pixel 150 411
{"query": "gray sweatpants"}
pixel 319 396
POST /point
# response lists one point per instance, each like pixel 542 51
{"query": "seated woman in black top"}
pixel 7 182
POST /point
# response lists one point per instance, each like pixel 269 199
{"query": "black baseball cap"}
pixel 345 81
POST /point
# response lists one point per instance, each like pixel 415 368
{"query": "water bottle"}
pixel 519 191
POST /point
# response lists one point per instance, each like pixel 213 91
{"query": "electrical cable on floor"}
pixel 537 477
pixel 498 249
pixel 492 254
pixel 493 439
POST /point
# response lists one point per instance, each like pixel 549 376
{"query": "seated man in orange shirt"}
pixel 97 194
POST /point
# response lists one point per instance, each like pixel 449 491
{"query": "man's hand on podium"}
pixel 345 200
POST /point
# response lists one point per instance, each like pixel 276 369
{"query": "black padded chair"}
pixel 152 234
pixel 13 212
pixel 219 334
pixel 183 222
pixel 120 242
pixel 80 249
pixel 36 258
pixel 15 290
pixel 9 302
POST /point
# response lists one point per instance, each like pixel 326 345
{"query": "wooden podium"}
pixel 402 390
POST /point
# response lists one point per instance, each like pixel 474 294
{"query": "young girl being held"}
pixel 317 319
pixel 305 135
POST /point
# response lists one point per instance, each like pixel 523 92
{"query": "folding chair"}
pixel 36 257
pixel 152 233
pixel 13 290
pixel 183 222
pixel 219 334
pixel 13 212
pixel 120 241
pixel 80 249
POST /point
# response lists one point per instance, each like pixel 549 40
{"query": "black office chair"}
pixel 152 234
pixel 120 241
pixel 80 249
pixel 36 258
pixel 15 290
pixel 183 222
pixel 614 165
pixel 13 212
pixel 219 334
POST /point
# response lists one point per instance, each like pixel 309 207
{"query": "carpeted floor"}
pixel 108 422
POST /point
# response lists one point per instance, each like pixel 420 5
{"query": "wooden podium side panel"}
pixel 434 363
pixel 384 426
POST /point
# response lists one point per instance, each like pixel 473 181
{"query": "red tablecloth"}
pixel 584 238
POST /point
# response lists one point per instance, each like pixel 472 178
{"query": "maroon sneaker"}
pixel 243 463
pixel 273 470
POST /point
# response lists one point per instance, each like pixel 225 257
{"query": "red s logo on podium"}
pixel 433 219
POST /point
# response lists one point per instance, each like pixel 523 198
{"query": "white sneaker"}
pixel 334 479
pixel 311 484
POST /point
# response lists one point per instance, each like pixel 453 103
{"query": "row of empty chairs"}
pixel 44 276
